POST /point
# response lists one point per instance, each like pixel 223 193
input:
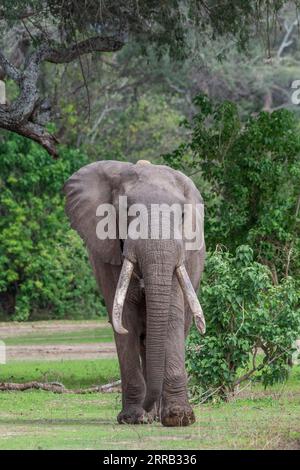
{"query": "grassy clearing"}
pixel 98 335
pixel 39 420
pixel 257 419
pixel 56 332
pixel 72 373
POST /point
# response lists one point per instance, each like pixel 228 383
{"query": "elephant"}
pixel 149 284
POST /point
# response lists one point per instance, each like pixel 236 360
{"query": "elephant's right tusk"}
pixel 121 291
pixel 191 298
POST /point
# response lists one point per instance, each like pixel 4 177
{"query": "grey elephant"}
pixel 149 283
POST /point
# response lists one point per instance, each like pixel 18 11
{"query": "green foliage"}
pixel 137 132
pixel 44 270
pixel 250 172
pixel 164 24
pixel 251 325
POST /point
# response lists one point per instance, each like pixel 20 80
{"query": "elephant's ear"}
pixel 85 190
pixel 193 216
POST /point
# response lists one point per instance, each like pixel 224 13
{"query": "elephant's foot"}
pixel 134 415
pixel 178 415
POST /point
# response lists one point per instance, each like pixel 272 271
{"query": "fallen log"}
pixel 57 387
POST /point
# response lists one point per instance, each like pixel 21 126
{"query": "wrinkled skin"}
pixel 155 313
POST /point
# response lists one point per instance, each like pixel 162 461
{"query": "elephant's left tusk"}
pixel 191 298
pixel 121 291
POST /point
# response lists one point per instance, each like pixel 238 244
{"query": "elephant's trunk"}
pixel 157 273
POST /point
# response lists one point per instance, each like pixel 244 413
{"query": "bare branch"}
pixel 286 42
pixel 8 69
pixel 59 55
pixel 26 114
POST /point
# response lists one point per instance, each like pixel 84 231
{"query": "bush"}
pixel 251 325
pixel 44 270
pixel 249 174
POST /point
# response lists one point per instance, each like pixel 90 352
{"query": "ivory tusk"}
pixel 191 298
pixel 120 295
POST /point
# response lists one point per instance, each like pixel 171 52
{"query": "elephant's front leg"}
pixel 133 383
pixel 175 407
pixel 128 346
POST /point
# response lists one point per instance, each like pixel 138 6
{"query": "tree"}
pixel 58 31
pixel 250 180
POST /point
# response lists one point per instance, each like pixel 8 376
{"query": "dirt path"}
pixel 57 352
pixel 12 329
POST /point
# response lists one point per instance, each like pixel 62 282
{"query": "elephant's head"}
pixel 156 260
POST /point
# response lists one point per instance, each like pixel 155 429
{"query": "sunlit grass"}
pixel 72 373
pixel 255 419
pixel 98 335
pixel 44 420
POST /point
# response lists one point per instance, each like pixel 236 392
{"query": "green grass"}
pixel 43 420
pixel 256 419
pixel 71 373
pixel 97 335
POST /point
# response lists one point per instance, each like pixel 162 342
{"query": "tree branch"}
pixel 27 114
pixel 8 69
pixel 286 42
pixel 63 55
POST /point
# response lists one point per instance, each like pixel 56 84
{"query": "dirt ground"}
pixel 12 329
pixel 57 352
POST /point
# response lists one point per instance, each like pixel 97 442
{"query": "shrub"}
pixel 44 270
pixel 251 325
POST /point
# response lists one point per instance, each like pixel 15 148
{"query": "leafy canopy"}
pixel 248 172
pixel 175 24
